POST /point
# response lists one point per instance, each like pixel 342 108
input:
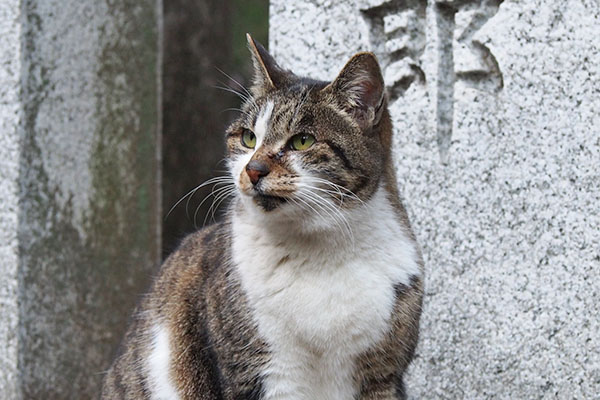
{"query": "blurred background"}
pixel 204 51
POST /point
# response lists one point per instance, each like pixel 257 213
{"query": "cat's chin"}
pixel 268 203
pixel 281 213
pixel 286 213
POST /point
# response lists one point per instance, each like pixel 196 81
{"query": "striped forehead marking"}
pixel 262 122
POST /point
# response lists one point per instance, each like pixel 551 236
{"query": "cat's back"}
pixel 182 327
pixel 146 347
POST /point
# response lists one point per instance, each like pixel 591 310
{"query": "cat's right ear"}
pixel 267 74
pixel 360 90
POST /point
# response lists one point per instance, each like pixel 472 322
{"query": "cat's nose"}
pixel 257 169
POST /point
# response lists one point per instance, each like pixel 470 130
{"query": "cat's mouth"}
pixel 267 198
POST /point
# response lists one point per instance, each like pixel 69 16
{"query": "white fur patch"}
pixel 161 387
pixel 262 122
pixel 320 301
pixel 238 164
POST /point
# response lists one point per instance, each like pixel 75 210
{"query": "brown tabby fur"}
pixel 216 350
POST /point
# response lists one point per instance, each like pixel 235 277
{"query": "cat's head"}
pixel 302 146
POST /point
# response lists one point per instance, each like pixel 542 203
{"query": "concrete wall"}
pixel 497 141
pixel 79 167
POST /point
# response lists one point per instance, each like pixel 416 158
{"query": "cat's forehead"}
pixel 283 113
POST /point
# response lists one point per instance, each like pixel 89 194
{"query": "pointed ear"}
pixel 267 74
pixel 360 90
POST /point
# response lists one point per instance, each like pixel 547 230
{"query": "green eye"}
pixel 248 139
pixel 302 141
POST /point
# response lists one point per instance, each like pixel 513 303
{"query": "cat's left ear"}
pixel 360 89
pixel 267 74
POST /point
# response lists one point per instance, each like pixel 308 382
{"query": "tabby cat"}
pixel 311 287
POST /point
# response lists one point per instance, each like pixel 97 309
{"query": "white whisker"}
pixel 217 179
pixel 217 200
pixel 234 81
pixel 227 181
pixel 242 96
pixel 325 205
pixel 335 194
pixel 309 206
pixel 238 110
pixel 213 192
pixel 347 192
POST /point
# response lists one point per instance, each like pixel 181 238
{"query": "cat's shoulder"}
pixel 201 255
pixel 206 244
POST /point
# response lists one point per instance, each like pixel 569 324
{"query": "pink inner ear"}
pixel 359 88
pixel 367 93
pixel 371 94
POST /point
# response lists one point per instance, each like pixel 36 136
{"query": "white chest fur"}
pixel 317 305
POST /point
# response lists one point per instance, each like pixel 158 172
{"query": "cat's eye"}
pixel 302 141
pixel 248 139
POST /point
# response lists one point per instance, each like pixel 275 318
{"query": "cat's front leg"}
pixel 389 394
pixel 383 389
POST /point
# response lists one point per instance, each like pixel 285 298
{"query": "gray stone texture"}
pixel 497 144
pixel 10 114
pixel 79 165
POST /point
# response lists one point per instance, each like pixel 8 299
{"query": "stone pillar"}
pixel 79 181
pixel 10 115
pixel 497 144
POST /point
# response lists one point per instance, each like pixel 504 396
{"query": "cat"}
pixel 311 287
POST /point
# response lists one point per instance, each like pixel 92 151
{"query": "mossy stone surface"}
pixel 88 227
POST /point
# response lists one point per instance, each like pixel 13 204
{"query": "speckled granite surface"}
pixel 497 142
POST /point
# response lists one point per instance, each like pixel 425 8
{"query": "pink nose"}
pixel 256 170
